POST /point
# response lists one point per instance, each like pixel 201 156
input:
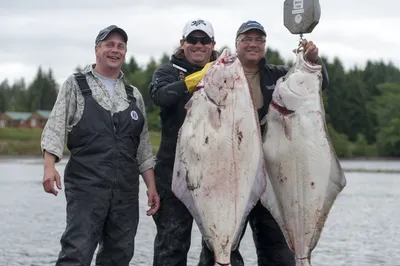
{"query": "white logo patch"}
pixel 134 115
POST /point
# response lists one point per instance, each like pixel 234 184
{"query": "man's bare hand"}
pixel 153 201
pixel 50 176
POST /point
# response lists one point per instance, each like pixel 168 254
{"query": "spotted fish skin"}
pixel 304 173
pixel 219 169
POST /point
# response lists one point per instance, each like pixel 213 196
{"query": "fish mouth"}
pixel 226 61
pixel 282 110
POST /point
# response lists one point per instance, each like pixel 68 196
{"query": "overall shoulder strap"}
pixel 83 84
pixel 129 92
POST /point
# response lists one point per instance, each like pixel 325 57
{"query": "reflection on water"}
pixel 362 229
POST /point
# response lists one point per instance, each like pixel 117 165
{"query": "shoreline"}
pixel 386 159
pixel 38 159
pixel 66 155
pixel 364 170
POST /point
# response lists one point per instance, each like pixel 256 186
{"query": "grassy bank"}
pixel 26 142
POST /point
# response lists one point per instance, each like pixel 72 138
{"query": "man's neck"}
pixel 108 72
pixel 251 68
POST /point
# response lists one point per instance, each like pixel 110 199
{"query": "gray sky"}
pixel 61 36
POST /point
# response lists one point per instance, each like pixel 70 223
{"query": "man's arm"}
pixel 146 160
pixel 164 89
pixel 145 156
pixel 325 76
pixel 53 135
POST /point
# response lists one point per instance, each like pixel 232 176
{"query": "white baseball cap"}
pixel 198 24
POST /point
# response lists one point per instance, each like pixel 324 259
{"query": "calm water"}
pixel 362 229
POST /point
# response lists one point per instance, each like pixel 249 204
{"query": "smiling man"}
pixel 172 86
pixel 110 147
pixel 250 43
pixel 271 246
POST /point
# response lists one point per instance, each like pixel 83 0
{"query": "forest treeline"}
pixel 362 105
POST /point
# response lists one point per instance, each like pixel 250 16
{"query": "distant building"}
pixel 14 119
pixel 36 119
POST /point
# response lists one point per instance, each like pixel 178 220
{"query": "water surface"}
pixel 363 228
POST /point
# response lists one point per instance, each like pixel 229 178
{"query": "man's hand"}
pixel 50 176
pixel 310 51
pixel 153 201
pixel 193 79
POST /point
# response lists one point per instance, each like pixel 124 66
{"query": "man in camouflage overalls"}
pixel 109 143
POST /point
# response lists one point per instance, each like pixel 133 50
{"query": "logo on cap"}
pixel 198 22
pixel 253 23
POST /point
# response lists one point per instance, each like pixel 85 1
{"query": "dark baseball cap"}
pixel 250 25
pixel 106 31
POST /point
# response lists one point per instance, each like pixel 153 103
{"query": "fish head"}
pixel 221 76
pixel 302 82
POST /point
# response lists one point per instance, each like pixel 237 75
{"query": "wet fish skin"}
pixel 219 169
pixel 304 173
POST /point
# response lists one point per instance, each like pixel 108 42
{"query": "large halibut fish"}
pixel 304 173
pixel 219 165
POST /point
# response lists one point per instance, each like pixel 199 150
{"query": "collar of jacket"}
pixel 183 64
pixel 262 63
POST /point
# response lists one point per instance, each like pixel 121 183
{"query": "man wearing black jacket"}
pixel 171 87
pixel 271 246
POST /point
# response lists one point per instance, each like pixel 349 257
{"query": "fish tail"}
pixel 223 259
pixel 303 262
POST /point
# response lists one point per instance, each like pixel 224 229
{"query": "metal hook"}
pixel 300 41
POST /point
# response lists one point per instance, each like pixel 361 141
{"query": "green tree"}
pixel 42 92
pixel 273 57
pixel 386 108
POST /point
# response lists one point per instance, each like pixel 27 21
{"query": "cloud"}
pixel 60 34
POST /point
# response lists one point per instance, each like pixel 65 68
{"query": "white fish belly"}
pixel 304 173
pixel 218 171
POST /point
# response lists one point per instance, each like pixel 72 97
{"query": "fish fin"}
pixel 182 183
pixel 264 120
pixel 287 126
pixel 257 191
pixel 337 176
pixel 271 203
pixel 337 182
pixel 264 128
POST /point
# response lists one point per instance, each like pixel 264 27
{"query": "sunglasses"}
pixel 202 40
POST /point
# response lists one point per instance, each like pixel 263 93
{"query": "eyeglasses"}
pixel 247 40
pixel 202 40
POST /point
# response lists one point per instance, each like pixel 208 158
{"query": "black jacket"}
pixel 169 92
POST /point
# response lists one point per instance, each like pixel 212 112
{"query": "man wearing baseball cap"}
pixel 104 33
pixel 198 25
pixel 271 246
pixel 171 87
pixel 106 123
